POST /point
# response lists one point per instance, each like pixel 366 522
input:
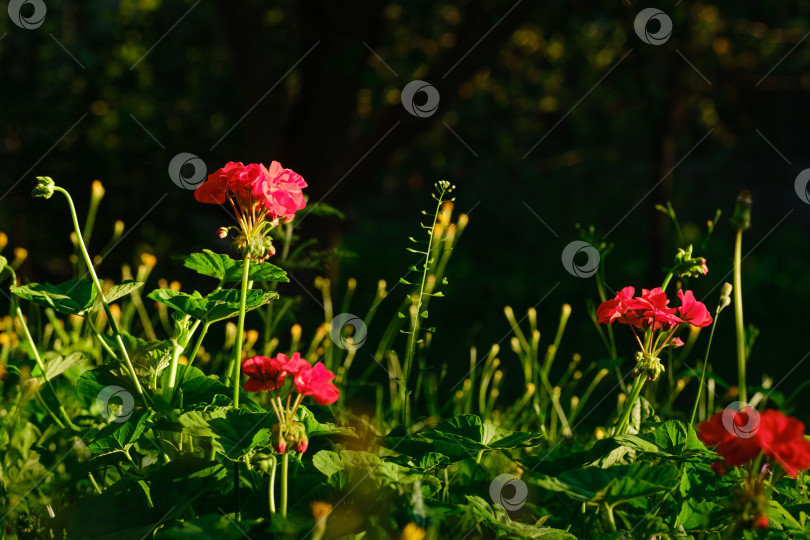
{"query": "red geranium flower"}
pixel 610 310
pixel 786 443
pixel 735 435
pixel 692 311
pixel 265 373
pixel 280 191
pixel 650 310
pixel 315 382
pixel 275 189
pixel 739 437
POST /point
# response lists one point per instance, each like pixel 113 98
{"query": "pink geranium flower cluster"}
pixel 269 374
pixel 261 197
pixel 275 189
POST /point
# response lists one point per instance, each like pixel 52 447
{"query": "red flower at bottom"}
pixel 740 436
pixel 734 435
pixel 786 443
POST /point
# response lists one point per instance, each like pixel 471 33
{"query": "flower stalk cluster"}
pixel 654 325
pixel 260 196
pixel 266 374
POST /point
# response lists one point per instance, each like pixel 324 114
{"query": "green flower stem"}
pixel 57 328
pixel 48 409
pixel 41 365
pixel 478 458
pixel 638 384
pixel 610 343
pixel 417 306
pixel 285 465
pixel 703 372
pixel 18 312
pixel 738 317
pixel 609 514
pixel 667 280
pixel 271 491
pixel 97 283
pixel 194 351
pixel 168 391
pixel 237 354
pixel 100 340
pixel 178 349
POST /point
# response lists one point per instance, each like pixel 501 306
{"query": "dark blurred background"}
pixel 554 109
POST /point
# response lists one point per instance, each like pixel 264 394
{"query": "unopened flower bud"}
pixel 725 297
pixel 222 232
pixel 263 462
pixel 741 219
pixel 279 442
pixel 44 189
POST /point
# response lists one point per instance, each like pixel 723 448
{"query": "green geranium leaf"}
pixel 222 267
pixel 117 291
pixel 480 513
pixel 233 432
pixel 178 483
pixel 669 439
pixel 198 388
pixel 56 365
pixel 614 485
pixel 119 436
pixel 317 429
pixel 72 297
pixel 355 467
pixel 218 305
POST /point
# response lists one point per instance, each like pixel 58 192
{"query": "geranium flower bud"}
pixel 741 219
pixel 725 297
pixel 44 189
pixel 279 442
pixel 263 462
